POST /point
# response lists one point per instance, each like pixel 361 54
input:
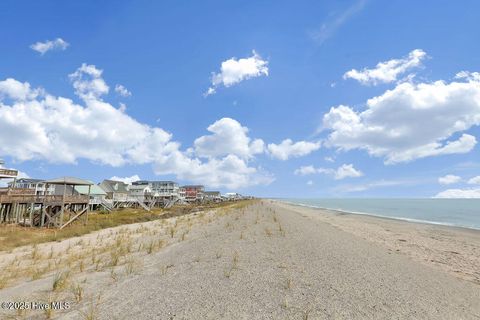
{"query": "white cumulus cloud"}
pixel 288 149
pixel 228 137
pixel 387 71
pixel 409 122
pixel 233 71
pixel 35 125
pixel 474 180
pixel 305 170
pixel 15 90
pixel 342 172
pixel 88 82
pixel 347 171
pixel 459 194
pixel 126 180
pixel 229 171
pixel 449 179
pixel 43 47
pixel 121 90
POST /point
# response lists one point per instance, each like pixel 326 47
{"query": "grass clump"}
pixel 77 291
pixel 60 280
pixel 234 266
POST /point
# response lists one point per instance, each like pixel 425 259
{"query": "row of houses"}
pixel 61 201
pixel 113 193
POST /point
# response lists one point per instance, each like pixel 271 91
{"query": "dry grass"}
pixel 92 309
pixel 108 249
pixel 60 280
pixel 306 314
pixel 16 236
pixel 12 236
pixel 77 291
pixel 234 266
pixel 3 281
pixel 164 269
pixel 172 231
pixel 48 312
pixel 288 284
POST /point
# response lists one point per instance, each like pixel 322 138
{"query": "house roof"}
pixel 114 186
pixel 194 186
pixel 142 182
pixel 164 181
pixel 139 182
pixel 139 187
pixel 28 180
pixel 213 193
pixel 70 181
pixel 94 190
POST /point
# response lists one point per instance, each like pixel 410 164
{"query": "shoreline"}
pixel 373 215
pixel 452 249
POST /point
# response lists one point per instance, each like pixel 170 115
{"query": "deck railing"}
pixel 29 198
pixel 17 191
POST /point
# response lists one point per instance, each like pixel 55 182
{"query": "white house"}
pixel 140 192
pixel 34 184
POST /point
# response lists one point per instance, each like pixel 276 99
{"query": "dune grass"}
pixel 16 236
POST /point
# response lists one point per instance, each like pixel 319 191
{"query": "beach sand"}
pixel 269 260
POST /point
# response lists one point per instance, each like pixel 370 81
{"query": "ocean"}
pixel 451 212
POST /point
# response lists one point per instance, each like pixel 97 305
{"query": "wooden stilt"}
pixel 42 215
pixel 32 207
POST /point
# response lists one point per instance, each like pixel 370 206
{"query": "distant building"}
pixel 115 190
pixel 161 189
pixel 233 196
pixel 97 195
pixel 37 185
pixel 141 192
pixel 212 196
pixel 181 193
pixel 193 192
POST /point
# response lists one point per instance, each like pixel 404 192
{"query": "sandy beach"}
pixel 267 260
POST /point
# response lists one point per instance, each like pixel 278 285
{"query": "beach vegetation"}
pixel 60 280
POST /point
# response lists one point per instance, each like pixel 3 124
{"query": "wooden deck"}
pixel 24 206
pixel 19 195
pixel 40 199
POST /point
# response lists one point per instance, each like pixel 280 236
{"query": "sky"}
pixel 310 99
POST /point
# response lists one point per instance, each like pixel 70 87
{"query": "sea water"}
pixel 453 212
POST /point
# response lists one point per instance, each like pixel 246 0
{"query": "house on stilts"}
pixel 27 207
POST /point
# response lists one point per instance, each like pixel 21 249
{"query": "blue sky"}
pixel 285 66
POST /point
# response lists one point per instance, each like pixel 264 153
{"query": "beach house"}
pixel 193 193
pixel 232 196
pixel 24 206
pixel 160 189
pixel 97 196
pixel 212 196
pixel 140 192
pixel 117 192
pixel 37 185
